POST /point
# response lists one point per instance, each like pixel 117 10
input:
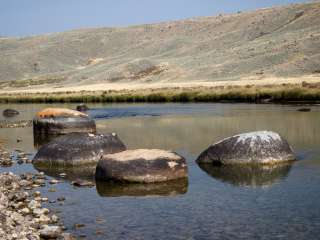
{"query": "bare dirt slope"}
pixel 281 42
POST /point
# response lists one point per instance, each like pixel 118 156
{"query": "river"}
pixel 216 203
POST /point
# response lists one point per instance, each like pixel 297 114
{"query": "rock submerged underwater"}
pixel 78 149
pixel 82 107
pixel 10 112
pixel 261 147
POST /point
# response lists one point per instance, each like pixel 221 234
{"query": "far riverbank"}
pixel 274 93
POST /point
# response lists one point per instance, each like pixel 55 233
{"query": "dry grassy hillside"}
pixel 273 42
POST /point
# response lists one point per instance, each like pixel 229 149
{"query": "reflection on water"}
pixel 111 189
pixel 247 175
pixel 171 188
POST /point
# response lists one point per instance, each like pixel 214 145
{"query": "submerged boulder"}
pixel 52 121
pixel 262 147
pixel 77 149
pixel 10 112
pixel 70 173
pixel 142 165
pixel 304 110
pixel 82 108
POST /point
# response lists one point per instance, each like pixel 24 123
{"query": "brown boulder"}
pixel 142 165
pixel 51 121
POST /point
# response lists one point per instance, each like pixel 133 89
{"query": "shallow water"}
pixel 266 203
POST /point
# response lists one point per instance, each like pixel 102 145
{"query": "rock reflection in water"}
pixel 170 188
pixel 72 173
pixel 247 175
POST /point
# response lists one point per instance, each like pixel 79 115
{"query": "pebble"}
pixel 67 236
pixel 100 220
pixel 50 232
pixel 82 183
pixel 54 219
pixel 43 219
pixel 34 204
pixel 79 225
pixel 38 199
pixel 36 194
pixel 25 211
pixel 53 181
pixel 99 232
pixel 38 212
pixel 60 199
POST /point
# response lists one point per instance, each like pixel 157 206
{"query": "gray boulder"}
pixel 77 149
pixel 10 112
pixel 54 121
pixel 142 165
pixel 262 147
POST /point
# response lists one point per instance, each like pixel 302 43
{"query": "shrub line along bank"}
pixel 251 94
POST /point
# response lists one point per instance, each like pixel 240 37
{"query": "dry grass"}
pixel 31 82
pixel 249 93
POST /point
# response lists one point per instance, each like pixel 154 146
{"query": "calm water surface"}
pixel 226 203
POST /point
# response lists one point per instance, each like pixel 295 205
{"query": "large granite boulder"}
pixel 262 147
pixel 54 121
pixel 10 112
pixel 77 149
pixel 142 165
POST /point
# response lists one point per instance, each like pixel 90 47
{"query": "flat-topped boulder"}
pixel 142 165
pixel 10 112
pixel 261 147
pixel 78 149
pixel 53 121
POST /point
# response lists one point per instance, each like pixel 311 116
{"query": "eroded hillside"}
pixel 273 42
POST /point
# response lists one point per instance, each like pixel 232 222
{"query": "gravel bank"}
pixel 21 213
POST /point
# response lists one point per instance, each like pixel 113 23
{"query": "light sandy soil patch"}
pixel 139 86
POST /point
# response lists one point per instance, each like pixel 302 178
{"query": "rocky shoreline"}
pixel 7 159
pixel 21 213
